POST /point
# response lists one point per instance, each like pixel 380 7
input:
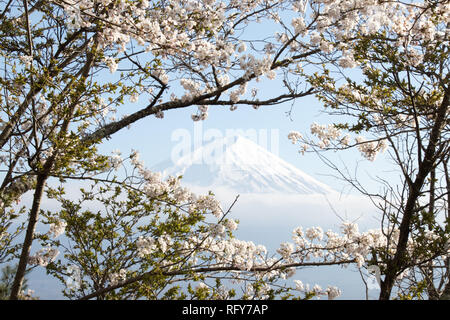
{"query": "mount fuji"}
pixel 241 165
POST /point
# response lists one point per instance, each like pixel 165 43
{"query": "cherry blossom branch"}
pixel 209 270
pixel 151 109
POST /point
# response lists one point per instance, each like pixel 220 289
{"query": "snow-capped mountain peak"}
pixel 243 166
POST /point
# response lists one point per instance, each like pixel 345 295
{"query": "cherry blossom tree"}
pixel 70 67
pixel 400 104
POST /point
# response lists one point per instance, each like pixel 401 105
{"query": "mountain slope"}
pixel 243 166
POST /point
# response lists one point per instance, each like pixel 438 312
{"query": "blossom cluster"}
pixel 328 134
pixel 257 67
pixel 43 257
pixel 332 137
pixel 57 228
pixel 409 23
pixel 331 292
pixel 118 277
pixel 370 149
pixel 145 246
pixel 149 245
pixel 27 295
pixel 26 60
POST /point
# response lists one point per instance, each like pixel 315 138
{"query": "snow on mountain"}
pixel 239 164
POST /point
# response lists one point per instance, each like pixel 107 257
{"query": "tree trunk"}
pixel 34 213
pixel 395 264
